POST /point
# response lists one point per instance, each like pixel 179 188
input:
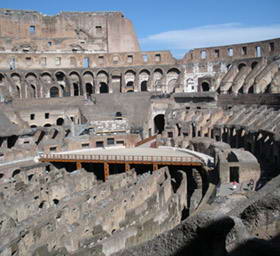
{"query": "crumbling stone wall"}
pixel 99 217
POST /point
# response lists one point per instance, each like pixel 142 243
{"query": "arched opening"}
pixel 76 89
pixel 104 88
pixel 33 126
pixel 241 65
pixel 17 81
pixel 129 84
pixel 159 123
pixel 54 92
pixel 46 78
pixel 55 201
pixel 251 89
pixel 60 76
pixel 1 175
pixel 254 64
pixel 89 89
pixel 205 87
pixel 60 121
pixel 15 172
pixel 47 125
pixel 144 86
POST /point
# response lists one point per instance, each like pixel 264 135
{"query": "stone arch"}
pixel 60 77
pixel 89 82
pixel 159 123
pixel 31 80
pixel 47 125
pixel 16 172
pixel 254 64
pixel 31 75
pixel 46 77
pixel 16 78
pixel 241 65
pixel 60 121
pixel 129 77
pixel 102 78
pixel 76 83
pixel 205 86
pixel 144 77
pixel 54 92
pixel 172 77
pixel 157 77
pixel 75 76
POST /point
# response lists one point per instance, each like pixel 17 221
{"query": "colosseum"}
pixel 109 150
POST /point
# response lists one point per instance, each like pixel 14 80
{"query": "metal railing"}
pixel 128 158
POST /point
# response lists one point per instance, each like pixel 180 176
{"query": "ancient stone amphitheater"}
pixel 109 150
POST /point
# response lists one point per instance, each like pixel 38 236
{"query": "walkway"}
pixel 127 156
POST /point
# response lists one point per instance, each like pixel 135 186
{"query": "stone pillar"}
pixel 123 84
pixel 149 83
pixel 96 85
pixel 137 86
pixel 110 84
pixel 83 90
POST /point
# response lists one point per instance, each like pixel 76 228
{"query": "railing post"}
pixel 127 167
pixel 78 165
pixel 106 171
pixel 155 167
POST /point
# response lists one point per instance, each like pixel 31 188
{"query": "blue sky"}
pixel 182 24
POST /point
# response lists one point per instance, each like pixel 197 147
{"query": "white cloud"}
pixel 211 35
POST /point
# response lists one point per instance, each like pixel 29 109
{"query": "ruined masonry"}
pixel 109 150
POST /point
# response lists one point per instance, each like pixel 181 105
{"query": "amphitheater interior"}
pixel 109 150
